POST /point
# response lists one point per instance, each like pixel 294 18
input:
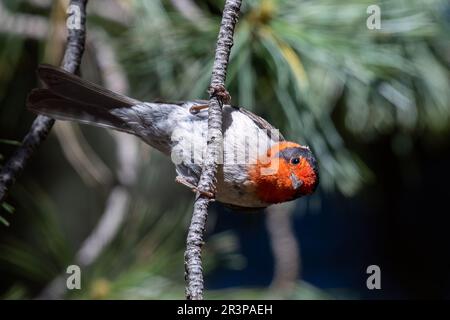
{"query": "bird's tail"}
pixel 68 97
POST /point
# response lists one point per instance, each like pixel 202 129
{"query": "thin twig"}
pixel 42 125
pixel 218 95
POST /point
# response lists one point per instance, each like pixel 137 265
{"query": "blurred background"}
pixel 374 105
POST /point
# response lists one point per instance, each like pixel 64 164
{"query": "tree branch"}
pixel 42 125
pixel 218 96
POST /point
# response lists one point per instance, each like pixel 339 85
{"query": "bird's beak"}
pixel 296 182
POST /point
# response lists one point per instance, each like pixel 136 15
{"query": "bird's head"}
pixel 286 172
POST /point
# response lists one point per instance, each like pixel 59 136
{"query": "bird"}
pixel 258 167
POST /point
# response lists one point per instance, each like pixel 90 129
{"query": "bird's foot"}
pixel 220 92
pixel 194 188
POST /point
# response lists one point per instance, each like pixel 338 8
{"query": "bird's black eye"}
pixel 295 160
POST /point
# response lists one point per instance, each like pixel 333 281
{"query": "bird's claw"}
pixel 197 108
pixel 214 91
pixel 207 194
pixel 194 188
pixel 220 92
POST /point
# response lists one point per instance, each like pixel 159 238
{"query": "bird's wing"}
pixel 271 131
pixel 260 122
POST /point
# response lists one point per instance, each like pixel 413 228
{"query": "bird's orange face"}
pixel 287 172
